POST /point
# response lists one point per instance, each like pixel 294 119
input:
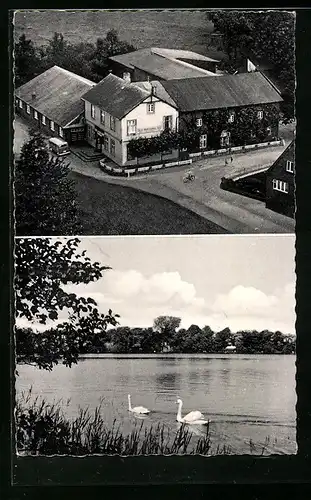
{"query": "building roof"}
pixel 159 91
pixel 162 64
pixel 57 94
pixel 223 91
pixel 183 54
pixel 116 96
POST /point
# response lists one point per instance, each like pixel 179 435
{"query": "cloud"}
pixel 166 288
pixel 250 308
pixel 244 301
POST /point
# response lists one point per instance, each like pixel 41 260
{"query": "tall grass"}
pixel 43 429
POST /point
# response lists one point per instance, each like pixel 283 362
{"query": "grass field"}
pixel 178 29
pixel 110 209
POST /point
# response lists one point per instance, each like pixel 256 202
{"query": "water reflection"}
pixel 168 382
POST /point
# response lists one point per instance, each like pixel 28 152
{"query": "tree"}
pixel 45 200
pixel 26 61
pixel 166 327
pixel 43 267
pixel 266 34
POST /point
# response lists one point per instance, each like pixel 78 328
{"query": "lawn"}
pixel 110 209
pixel 142 28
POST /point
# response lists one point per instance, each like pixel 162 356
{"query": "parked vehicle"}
pixel 58 146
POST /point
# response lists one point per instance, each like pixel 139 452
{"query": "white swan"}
pixel 139 410
pixel 194 417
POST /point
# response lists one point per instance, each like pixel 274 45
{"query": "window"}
pixel 290 166
pixel 280 185
pixel 268 130
pixel 21 104
pixel 106 143
pixel 150 107
pixel 203 141
pixel 225 139
pixel 35 114
pixel 231 117
pixel 168 122
pixel 61 132
pixel 260 115
pixel 131 127
pixel 28 109
pixel 93 111
pixel 52 125
pixel 198 122
pixel 43 120
pixel 112 123
pixel 112 147
pixel 102 117
pixel 129 156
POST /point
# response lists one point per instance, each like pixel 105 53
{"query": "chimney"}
pixel 127 76
pixel 33 96
pixel 153 90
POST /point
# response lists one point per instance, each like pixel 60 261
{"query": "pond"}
pixel 249 399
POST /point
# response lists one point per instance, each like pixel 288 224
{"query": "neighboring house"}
pixel 52 102
pixel 280 183
pixel 162 64
pixel 250 62
pixel 228 110
pixel 117 111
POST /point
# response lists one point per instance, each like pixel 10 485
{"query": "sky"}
pixel 238 281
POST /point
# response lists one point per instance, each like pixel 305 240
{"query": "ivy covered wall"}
pixel 246 128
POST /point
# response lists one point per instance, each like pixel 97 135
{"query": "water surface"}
pixel 249 399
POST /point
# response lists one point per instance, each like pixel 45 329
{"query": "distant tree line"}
pixel 85 59
pixel 164 336
pixel 269 36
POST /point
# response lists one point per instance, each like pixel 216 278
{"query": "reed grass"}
pixel 43 429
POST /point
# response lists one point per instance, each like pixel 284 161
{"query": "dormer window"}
pixel 150 107
pixel 231 117
pixel 290 166
pixel 198 122
pixel 260 115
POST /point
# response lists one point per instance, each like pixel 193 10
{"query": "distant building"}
pixel 162 64
pixel 52 102
pixel 199 101
pixel 117 111
pixel 280 183
pixel 250 62
pixel 230 348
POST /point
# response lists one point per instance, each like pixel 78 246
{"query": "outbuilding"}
pixel 52 102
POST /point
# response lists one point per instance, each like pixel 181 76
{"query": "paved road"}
pixel 235 213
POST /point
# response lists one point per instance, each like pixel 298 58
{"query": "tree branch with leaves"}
pixel 43 268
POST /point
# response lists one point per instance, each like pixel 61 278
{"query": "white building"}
pixel 117 111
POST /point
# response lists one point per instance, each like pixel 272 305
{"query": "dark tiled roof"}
pixel 57 94
pixel 116 96
pixel 159 64
pixel 222 91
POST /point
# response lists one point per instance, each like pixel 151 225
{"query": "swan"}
pixel 194 417
pixel 139 410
